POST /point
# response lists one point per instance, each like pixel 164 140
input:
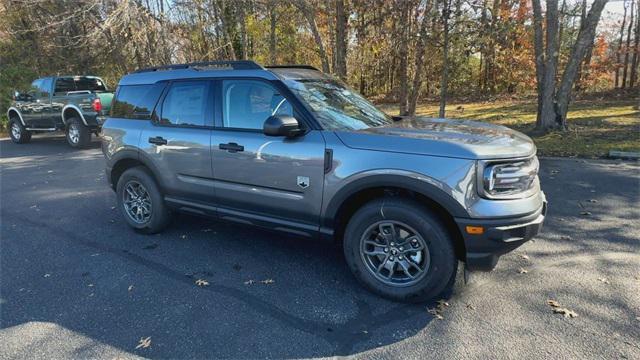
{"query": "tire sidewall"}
pixel 443 264
pixel 159 216
pixel 25 135
pixel 84 136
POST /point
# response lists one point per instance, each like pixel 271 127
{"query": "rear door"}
pixel 265 180
pixel 178 142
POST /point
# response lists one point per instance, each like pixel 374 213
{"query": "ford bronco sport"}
pixel 291 149
pixel 76 105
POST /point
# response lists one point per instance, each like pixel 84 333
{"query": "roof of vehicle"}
pixel 220 69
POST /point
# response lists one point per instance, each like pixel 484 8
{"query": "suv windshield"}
pixel 337 107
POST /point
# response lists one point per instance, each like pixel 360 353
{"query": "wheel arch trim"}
pixel 9 110
pixel 417 183
pixel 135 155
pixel 77 110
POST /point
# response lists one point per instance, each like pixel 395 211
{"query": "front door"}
pixel 35 104
pixel 262 179
pixel 178 143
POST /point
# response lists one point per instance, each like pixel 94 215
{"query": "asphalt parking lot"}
pixel 76 282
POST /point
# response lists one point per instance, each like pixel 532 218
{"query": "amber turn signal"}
pixel 474 230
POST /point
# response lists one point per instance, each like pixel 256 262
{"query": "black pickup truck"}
pixel 77 105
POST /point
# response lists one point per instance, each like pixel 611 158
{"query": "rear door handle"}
pixel 158 140
pixel 231 147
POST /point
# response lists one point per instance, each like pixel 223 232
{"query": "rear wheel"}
pixel 18 133
pixel 78 134
pixel 141 202
pixel 400 250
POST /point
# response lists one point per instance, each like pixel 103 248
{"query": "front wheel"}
pixel 18 133
pixel 400 250
pixel 141 202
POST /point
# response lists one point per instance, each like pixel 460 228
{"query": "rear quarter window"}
pixel 136 101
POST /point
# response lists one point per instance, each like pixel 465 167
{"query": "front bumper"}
pixel 500 236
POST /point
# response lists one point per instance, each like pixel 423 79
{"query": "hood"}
pixel 442 137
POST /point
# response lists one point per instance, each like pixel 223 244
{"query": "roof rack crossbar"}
pixel 294 66
pixel 234 64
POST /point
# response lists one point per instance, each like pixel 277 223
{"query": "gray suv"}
pixel 291 149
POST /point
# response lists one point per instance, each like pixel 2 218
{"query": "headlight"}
pixel 508 179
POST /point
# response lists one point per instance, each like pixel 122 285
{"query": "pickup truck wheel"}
pixel 400 250
pixel 18 133
pixel 141 201
pixel 78 135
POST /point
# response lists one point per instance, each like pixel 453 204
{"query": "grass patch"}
pixel 595 126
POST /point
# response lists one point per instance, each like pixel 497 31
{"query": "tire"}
pixel 18 133
pixel 158 215
pixel 435 269
pixel 78 134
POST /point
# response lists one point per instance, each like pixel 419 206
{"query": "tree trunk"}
pixel 547 112
pixel 539 53
pixel 584 66
pixel 585 39
pixel 444 81
pixel 627 47
pixel 619 51
pixel 341 40
pixel 419 64
pixel 272 32
pixel 636 49
pixel 310 15
pixel 403 54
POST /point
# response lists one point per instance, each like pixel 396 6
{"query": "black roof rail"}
pixel 292 66
pixel 234 64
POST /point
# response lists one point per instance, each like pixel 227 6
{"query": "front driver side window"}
pixel 248 103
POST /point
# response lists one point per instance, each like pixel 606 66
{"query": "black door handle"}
pixel 158 140
pixel 231 147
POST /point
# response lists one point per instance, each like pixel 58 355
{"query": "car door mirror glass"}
pixel 282 125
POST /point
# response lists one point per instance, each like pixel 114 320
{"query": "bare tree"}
pixel 627 47
pixel 341 40
pixel 619 50
pixel 404 6
pixel 555 102
pixel 309 14
pixel 272 31
pixel 444 79
pixel 636 49
pixel 419 61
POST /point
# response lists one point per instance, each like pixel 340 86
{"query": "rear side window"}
pixel 79 83
pixel 186 104
pixel 136 101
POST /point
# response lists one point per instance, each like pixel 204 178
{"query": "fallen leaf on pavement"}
pixel 436 313
pixel 130 288
pixel 523 271
pixel 144 343
pixel 566 312
pixel 604 280
pixel 592 200
pixel 442 303
pixel 268 281
pixel 553 303
pixel 183 236
pixel 47 275
pixel 565 237
pixel 202 282
pixel 524 256
pixel 585 213
pixel 471 307
pixel 249 282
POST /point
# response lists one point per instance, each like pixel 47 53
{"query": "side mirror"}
pixel 281 125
